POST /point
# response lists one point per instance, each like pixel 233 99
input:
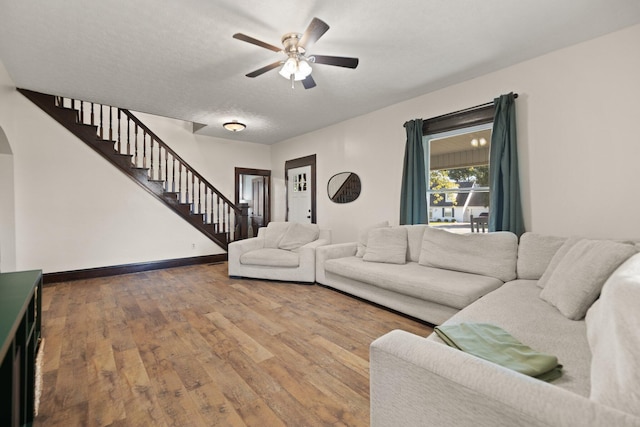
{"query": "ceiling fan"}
pixel 296 66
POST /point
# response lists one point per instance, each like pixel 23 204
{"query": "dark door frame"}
pixel 258 172
pixel 296 163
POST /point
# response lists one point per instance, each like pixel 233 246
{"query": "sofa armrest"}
pixel 337 250
pixel 418 382
pixel 239 247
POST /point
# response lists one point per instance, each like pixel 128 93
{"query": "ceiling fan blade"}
pixel 340 61
pixel 308 82
pixel 264 69
pixel 248 39
pixel 314 31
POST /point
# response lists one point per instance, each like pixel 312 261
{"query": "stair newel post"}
pixel 242 223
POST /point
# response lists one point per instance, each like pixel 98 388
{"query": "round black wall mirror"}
pixel 344 187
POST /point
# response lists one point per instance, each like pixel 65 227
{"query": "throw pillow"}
pixel 299 235
pixel 274 232
pixel 488 254
pixel 612 330
pixel 557 257
pixel 388 245
pixel 577 280
pixel 363 236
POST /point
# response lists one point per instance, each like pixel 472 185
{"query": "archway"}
pixel 7 207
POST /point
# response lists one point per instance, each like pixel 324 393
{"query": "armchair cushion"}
pixel 298 235
pixel 271 257
pixel 274 232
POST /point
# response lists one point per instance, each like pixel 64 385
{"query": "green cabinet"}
pixel 20 329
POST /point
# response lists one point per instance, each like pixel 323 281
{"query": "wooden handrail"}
pixel 177 157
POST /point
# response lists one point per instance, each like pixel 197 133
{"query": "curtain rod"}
pixel 466 110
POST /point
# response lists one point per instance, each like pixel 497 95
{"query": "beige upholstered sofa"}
pixel 418 381
pixel 281 251
pixel 424 272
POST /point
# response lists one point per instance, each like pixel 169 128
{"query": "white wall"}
pixel 578 143
pixel 74 210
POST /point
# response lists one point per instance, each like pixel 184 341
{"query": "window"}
pixel 457 147
pixel 458 167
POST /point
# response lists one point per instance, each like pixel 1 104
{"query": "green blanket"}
pixel 496 345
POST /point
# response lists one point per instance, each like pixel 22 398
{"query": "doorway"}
pixel 300 178
pixel 253 186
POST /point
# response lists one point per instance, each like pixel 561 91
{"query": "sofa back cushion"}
pixel 363 237
pixel 388 244
pixel 612 330
pixel 489 254
pixel 415 233
pixel 535 252
pixel 274 232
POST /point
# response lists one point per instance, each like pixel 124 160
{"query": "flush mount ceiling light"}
pixel 234 126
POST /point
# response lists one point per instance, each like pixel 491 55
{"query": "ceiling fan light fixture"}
pixel 234 126
pixel 298 68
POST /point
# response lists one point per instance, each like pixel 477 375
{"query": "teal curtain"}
pixel 506 210
pixel 413 198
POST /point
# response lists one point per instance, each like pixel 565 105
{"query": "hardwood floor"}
pixel 190 347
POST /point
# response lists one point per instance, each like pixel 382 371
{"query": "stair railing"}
pixel 131 137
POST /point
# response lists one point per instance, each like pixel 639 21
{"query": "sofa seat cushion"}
pixel 516 308
pixel 270 257
pixel 446 287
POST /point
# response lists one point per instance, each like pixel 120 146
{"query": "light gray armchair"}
pixel 281 251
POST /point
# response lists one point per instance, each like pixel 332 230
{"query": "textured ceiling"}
pixel 178 59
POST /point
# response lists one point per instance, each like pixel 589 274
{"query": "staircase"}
pixel 128 144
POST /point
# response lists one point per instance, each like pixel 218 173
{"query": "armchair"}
pixel 281 251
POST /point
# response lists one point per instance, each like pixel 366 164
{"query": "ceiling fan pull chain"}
pixel 293 86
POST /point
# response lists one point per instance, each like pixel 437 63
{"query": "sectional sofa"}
pixel 540 289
